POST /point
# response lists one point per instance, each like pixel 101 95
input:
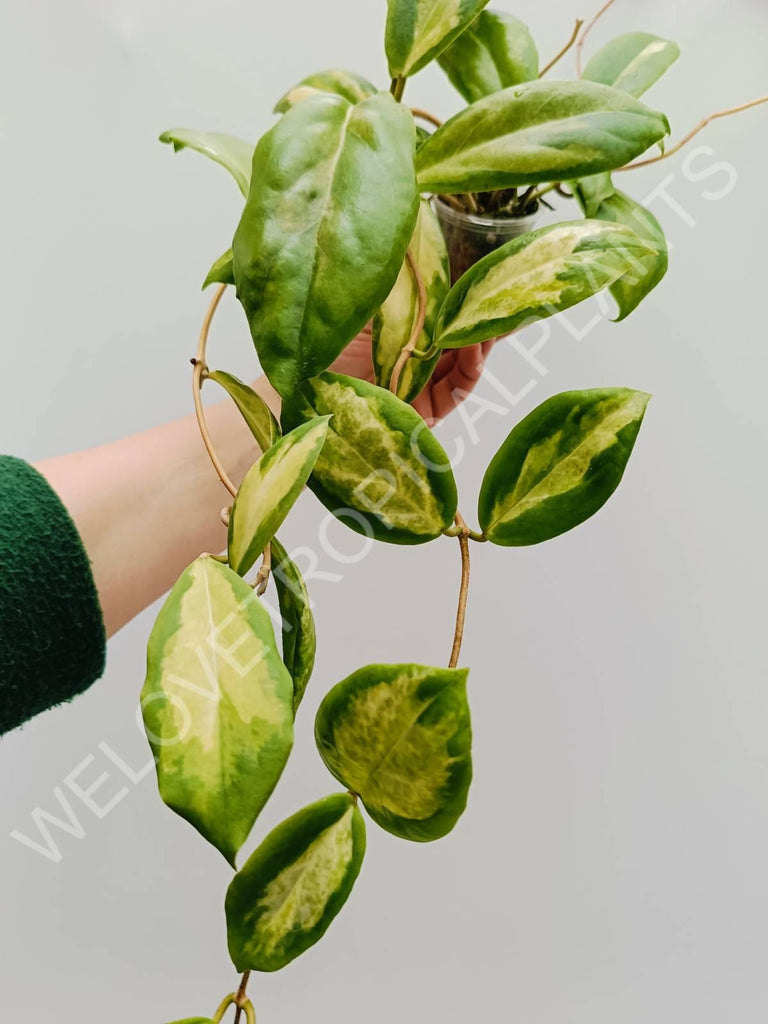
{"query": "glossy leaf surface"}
pixel 325 229
pixel 222 271
pixel 632 62
pixel 536 276
pixel 254 410
pixel 394 323
pixel 299 637
pixel 560 465
pixel 292 887
pixel 539 131
pixel 399 736
pixel 351 86
pixel 217 704
pixel 268 491
pixel 495 52
pixel 418 30
pixel 381 470
pixel 232 153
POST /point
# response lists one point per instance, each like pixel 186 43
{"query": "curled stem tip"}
pixel 586 32
pixel 559 56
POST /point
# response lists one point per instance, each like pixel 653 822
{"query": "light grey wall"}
pixel 611 865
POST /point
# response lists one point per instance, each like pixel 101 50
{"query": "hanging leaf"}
pixel 418 30
pixel 534 277
pixel 381 470
pixel 222 271
pixel 268 491
pixel 232 153
pixel 299 638
pixel 291 888
pixel 539 131
pixel 342 83
pixel 325 229
pixel 632 62
pixel 393 324
pixel 255 411
pixel 217 704
pixel 560 465
pixel 399 736
pixel 495 52
pixel 610 205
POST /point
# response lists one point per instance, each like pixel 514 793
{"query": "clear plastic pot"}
pixel 469 236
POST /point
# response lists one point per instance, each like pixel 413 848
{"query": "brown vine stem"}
pixel 461 611
pixel 240 999
pixel 585 34
pixel 418 326
pixel 692 134
pixel 559 56
pixel 424 115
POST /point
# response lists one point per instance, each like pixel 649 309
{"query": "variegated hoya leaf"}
pixel 232 153
pixel 254 410
pixel 222 271
pixel 299 638
pixel 343 83
pixel 324 232
pixel 495 52
pixel 535 132
pixel 610 205
pixel 560 465
pixel 393 324
pixel 268 491
pixel 418 30
pixel 290 889
pixel 217 704
pixel 536 276
pixel 632 62
pixel 399 736
pixel 381 470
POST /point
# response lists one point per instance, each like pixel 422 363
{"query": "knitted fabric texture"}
pixel 52 641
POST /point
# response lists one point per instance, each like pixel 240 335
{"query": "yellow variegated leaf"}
pixel 222 271
pixel 269 489
pixel 254 410
pixel 632 62
pixel 293 886
pixel 232 153
pixel 495 52
pixel 395 321
pixel 299 638
pixel 418 30
pixel 217 703
pixel 351 86
pixel 560 465
pixel 399 736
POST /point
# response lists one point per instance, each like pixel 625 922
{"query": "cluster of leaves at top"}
pixel 336 230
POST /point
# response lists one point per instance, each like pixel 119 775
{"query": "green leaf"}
pixel 299 638
pixel 399 736
pixel 632 62
pixel 255 411
pixel 610 205
pixel 325 229
pixel 419 30
pixel 539 131
pixel 232 153
pixel 495 52
pixel 217 704
pixel 343 83
pixel 393 324
pixel 534 277
pixel 222 271
pixel 268 491
pixel 291 888
pixel 381 470
pixel 559 465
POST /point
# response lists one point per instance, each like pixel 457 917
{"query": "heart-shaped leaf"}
pixel 560 465
pixel 222 271
pixel 495 52
pixel 399 736
pixel 393 324
pixel 536 276
pixel 343 83
pixel 232 153
pixel 632 62
pixel 268 491
pixel 418 30
pixel 255 411
pixel 325 229
pixel 290 889
pixel 217 704
pixel 381 470
pixel 538 131
pixel 299 638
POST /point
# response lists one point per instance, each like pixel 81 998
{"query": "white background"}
pixel 612 864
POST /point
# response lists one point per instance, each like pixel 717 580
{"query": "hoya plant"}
pixel 354 213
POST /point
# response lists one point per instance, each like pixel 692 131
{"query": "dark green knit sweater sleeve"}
pixel 52 642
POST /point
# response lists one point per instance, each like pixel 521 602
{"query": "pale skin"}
pixel 147 505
